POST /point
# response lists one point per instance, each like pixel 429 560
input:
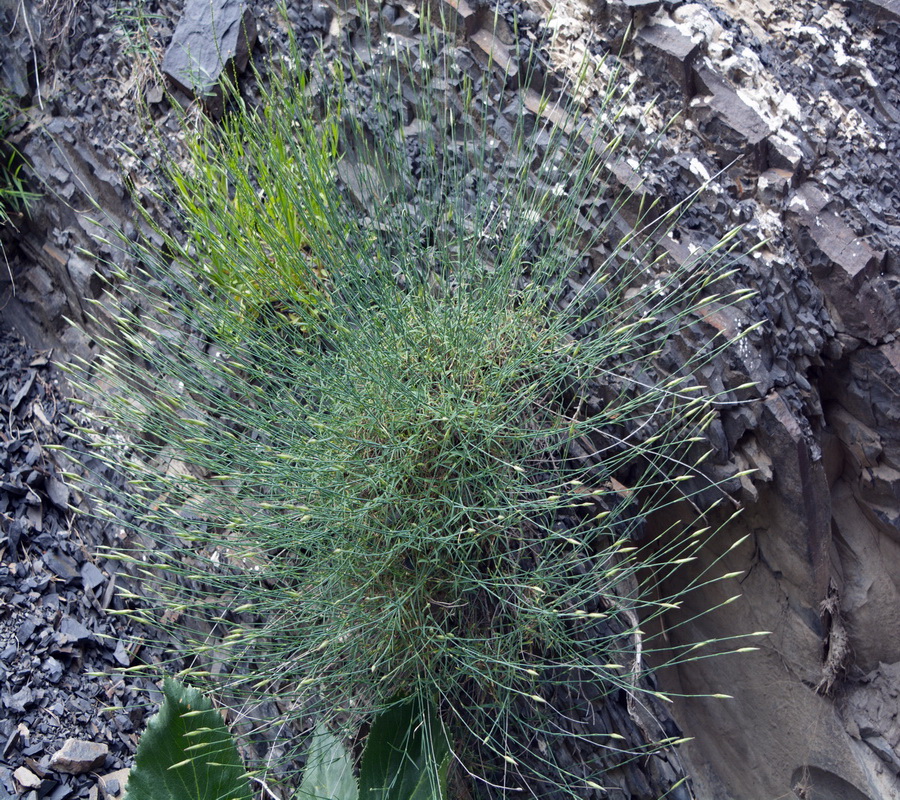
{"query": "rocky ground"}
pixel 61 652
pixel 793 114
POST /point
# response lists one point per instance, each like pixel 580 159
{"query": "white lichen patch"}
pixel 742 66
pixel 842 59
pixel 699 170
pixel 770 223
pixel 851 126
pixel 695 21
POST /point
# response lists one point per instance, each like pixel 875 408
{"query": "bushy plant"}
pixel 388 433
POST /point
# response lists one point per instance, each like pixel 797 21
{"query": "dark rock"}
pixel 61 564
pixel 845 267
pixel 20 700
pixel 395 20
pixel 773 185
pixel 14 532
pixel 71 630
pixel 884 751
pixel 210 38
pixel 78 756
pixel 61 792
pixel 784 154
pixel 121 655
pixel 84 275
pixel 53 670
pixel 862 446
pixel 23 390
pixel 469 16
pixel 12 741
pixel 676 51
pixel 112 786
pixel 50 601
pixel 883 9
pixel 647 6
pixel 26 629
pixel 91 576
pixel 488 49
pixel 58 493
pixel 801 486
pixel 17 46
pixel 731 126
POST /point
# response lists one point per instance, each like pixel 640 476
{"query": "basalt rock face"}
pixel 790 125
pixel 805 98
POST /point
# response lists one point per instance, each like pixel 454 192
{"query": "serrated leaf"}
pixel 329 770
pixel 185 722
pixel 407 756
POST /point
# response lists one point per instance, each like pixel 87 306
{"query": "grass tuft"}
pixel 14 195
pixel 401 401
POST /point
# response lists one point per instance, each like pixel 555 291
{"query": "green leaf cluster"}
pixel 188 753
pixel 328 773
pixel 407 755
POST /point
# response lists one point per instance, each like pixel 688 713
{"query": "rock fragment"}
pixel 673 51
pixel 72 631
pixel 469 16
pixel 888 10
pixel 26 778
pixel 91 576
pixel 112 786
pixel 647 6
pixel 78 756
pixel 62 565
pixel 58 493
pixel 19 701
pixel 730 125
pixel 844 266
pixel 84 275
pixel 212 36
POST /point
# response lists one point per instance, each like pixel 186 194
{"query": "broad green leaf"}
pixel 426 789
pixel 187 753
pixel 329 770
pixel 406 757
